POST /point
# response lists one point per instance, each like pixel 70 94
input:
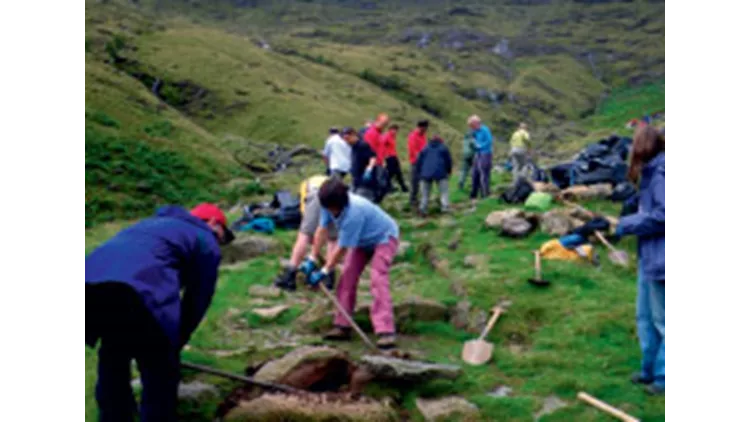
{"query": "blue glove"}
pixel 617 236
pixel 317 277
pixel 367 176
pixel 308 266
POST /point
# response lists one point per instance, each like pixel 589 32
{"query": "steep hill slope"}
pixel 174 87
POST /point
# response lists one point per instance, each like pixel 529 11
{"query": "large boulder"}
pixel 495 219
pixel 543 187
pixel 516 227
pixel 310 408
pixel 447 408
pixel 386 368
pixel 247 247
pixel 308 367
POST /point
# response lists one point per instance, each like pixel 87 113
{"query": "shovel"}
pixel 617 413
pixel 618 257
pixel 538 280
pixel 477 352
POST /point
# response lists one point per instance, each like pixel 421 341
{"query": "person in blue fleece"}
pixel 647 223
pixel 135 309
pixel 480 177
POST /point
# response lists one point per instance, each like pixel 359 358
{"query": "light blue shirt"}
pixel 483 139
pixel 361 224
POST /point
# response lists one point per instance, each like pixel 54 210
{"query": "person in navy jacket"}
pixel 147 289
pixel 647 168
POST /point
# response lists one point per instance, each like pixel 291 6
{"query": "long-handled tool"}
pixel 538 280
pixel 615 255
pixel 477 352
pixel 248 380
pixel 619 414
pixel 348 317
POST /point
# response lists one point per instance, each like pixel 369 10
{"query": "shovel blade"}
pixel 619 257
pixel 477 352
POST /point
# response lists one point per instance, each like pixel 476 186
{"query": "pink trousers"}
pixel 381 312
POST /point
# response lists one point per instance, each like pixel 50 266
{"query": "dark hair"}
pixel 333 193
pixel 648 144
pixel 394 127
pixel 348 131
pixel 423 123
pixel 333 130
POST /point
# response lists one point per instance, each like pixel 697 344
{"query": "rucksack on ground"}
pixel 518 193
pixel 539 201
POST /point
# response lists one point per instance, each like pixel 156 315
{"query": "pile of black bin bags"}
pixel 601 162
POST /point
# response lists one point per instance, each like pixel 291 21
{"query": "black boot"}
pixel 287 280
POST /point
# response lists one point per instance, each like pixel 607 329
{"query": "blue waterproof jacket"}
pixel 648 223
pixel 434 162
pixel 483 140
pixel 158 257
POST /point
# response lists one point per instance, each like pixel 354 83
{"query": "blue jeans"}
pixel 650 314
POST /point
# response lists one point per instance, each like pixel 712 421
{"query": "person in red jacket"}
pixel 374 137
pixel 415 144
pixel 392 164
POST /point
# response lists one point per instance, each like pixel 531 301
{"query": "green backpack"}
pixel 539 201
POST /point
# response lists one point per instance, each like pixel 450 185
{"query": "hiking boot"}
pixel 386 342
pixel 654 390
pixel 287 280
pixel 339 334
pixel 638 378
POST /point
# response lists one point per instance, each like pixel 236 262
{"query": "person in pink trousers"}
pixel 367 234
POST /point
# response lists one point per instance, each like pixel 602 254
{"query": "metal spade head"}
pixel 619 257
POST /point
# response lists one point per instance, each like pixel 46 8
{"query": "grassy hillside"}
pixel 173 88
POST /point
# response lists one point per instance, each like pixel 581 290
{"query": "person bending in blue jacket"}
pixel 134 309
pixel 647 223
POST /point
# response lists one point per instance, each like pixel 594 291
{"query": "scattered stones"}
pixel 403 247
pixel 447 408
pixel 461 314
pixel 259 290
pixel 420 309
pixel 585 193
pixel 557 223
pixel 386 368
pixel 258 301
pixel 551 405
pixel 312 408
pixel 270 313
pixel 247 247
pixel 317 317
pixel 197 391
pixel 447 222
pixel 476 261
pixel 308 368
pixel 500 392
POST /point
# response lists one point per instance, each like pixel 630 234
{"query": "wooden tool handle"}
pixel 538 264
pixel 604 407
pixel 348 317
pixel 580 207
pixel 605 241
pixel 493 320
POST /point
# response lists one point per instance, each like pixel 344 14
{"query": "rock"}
pixel 386 368
pixel 448 408
pixel 272 312
pixel 585 193
pixel 419 309
pixel 447 222
pixel 496 218
pixel 516 227
pixel 551 404
pixel 197 391
pixel 308 366
pixel 461 314
pixel 317 317
pixel 258 301
pixel 556 223
pixel 549 188
pixel 476 261
pixel 312 408
pixel 247 247
pixel 500 392
pixel 403 247
pixel 259 290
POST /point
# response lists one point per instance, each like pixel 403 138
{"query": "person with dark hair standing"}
pixel 363 166
pixel 367 234
pixel 647 170
pixel 434 165
pixel 416 142
pixel 147 290
pixel 392 163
